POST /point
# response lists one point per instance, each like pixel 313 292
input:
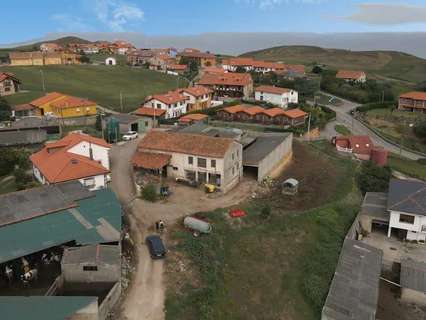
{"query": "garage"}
pixel 374 215
pixel 265 153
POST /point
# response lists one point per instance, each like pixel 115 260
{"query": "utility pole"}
pixel 42 80
pixel 309 127
pixel 121 101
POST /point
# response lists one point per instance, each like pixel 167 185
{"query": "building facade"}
pixel 413 101
pixel 281 97
pixel 238 85
pixel 198 98
pixel 9 84
pixel 174 103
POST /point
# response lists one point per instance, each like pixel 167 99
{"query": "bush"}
pixel 376 105
pixel 149 193
pixel 420 129
pixel 22 179
pixel 372 178
pixel 5 110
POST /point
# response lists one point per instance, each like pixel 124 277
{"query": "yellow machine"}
pixel 209 188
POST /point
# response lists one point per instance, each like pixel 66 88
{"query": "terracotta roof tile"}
pixel 348 74
pixel 185 143
pixel 295 113
pixel 253 110
pixel 272 89
pixel 169 98
pixel 233 79
pixel 150 160
pixel 23 107
pixel 235 109
pixel 415 95
pixel 197 91
pixel 46 99
pixel 193 117
pixel 150 112
pixel 70 102
pixel 274 112
pixel 8 75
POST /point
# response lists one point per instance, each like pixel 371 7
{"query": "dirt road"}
pixel 145 297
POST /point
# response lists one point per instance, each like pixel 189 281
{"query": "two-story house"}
pixel 203 59
pixel 407 208
pixel 276 95
pixel 238 85
pixel 173 102
pixel 75 157
pixel 194 157
pixel 199 98
pixel 413 101
pixel 9 84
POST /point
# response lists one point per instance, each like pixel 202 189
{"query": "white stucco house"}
pixel 194 157
pixel 173 102
pixel 276 95
pixel 75 157
pixel 110 61
pixel 406 205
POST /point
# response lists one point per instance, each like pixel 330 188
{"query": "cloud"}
pixel 268 4
pixel 388 14
pixel 69 23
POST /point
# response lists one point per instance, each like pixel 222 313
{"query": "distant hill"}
pixel 383 64
pixel 61 41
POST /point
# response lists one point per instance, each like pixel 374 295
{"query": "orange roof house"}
pixel 75 157
pixel 228 84
pixel 272 89
pixel 360 146
pixel 413 101
pixel 149 112
pixel 349 75
pixel 192 117
pixel 9 83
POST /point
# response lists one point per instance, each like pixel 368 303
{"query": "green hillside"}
pixel 380 64
pixel 99 83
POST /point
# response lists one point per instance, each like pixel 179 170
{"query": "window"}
pixel 213 163
pixel 90 268
pixel 190 160
pixel 405 218
pixel 202 163
pixel 146 123
pixel 233 156
pixel 233 171
pixel 78 110
pixel 158 105
pixel 89 182
pixel 87 108
pixel 238 154
pixel 175 168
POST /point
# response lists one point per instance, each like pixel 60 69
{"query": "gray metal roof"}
pixel 31 203
pixel 374 205
pixel 262 146
pixel 93 254
pixel 354 290
pixel 25 137
pixel 413 275
pixel 407 196
pixel 125 118
pixel 202 128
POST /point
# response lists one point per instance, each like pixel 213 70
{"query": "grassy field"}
pixel 380 64
pixel 409 167
pixel 394 124
pixel 99 83
pixel 276 266
pixel 341 129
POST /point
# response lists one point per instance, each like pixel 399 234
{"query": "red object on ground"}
pixel 237 213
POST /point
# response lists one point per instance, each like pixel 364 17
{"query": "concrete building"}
pixel 9 84
pixel 174 103
pixel 194 157
pixel 275 95
pixel 266 153
pixel 127 122
pixel 91 264
pixel 354 290
pixel 150 117
pixel 75 157
pixel 413 281
pixel 413 101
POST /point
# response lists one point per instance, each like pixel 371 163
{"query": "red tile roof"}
pixel 239 62
pixel 8 75
pixel 169 98
pixel 57 164
pixel 150 112
pixel 195 54
pixel 415 95
pixel 197 91
pixel 213 70
pixel 274 112
pixel 180 67
pixel 272 89
pixel 194 144
pixel 253 110
pixel 71 102
pixel 150 160
pixel 361 144
pixel 46 99
pixel 193 117
pixel 235 109
pixel 348 74
pixel 295 113
pixel 232 79
pixel 23 107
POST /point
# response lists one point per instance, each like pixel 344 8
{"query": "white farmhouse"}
pixel 194 157
pixel 407 208
pixel 173 102
pixel 76 157
pixel 110 61
pixel 276 95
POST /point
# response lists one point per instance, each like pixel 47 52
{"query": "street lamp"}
pixel 410 125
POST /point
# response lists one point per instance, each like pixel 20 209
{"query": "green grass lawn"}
pixel 394 124
pixel 341 129
pixel 7 186
pixel 411 168
pixel 266 268
pixel 99 83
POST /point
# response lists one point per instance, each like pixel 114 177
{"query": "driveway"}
pixel 145 297
pixel 343 116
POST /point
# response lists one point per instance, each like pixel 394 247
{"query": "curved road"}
pixel 358 128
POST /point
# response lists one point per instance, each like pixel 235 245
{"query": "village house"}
pixel 176 69
pixel 253 65
pixel 352 76
pixel 190 119
pixel 202 59
pixel 150 116
pixel 64 106
pixel 238 85
pixel 25 110
pixel 198 98
pixel 413 101
pixel 122 47
pixel 38 58
pixel 51 47
pixel 9 84
pixel 194 157
pixel 276 95
pixel 173 102
pixel 75 157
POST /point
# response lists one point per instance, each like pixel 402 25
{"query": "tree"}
pixel 149 193
pixel 84 58
pixel 372 178
pixel 317 69
pixel 98 123
pixel 5 110
pixel 420 129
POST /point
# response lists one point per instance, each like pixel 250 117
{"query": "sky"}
pixel 25 20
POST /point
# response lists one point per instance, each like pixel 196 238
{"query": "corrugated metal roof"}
pixel 93 254
pixel 94 220
pixel 262 147
pixel 407 196
pixel 413 275
pixel 46 307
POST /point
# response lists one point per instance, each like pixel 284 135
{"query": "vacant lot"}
pixel 275 265
pixel 102 84
pixel 395 125
pixel 411 168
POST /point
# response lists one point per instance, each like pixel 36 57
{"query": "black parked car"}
pixel 156 247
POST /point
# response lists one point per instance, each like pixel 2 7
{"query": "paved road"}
pixel 357 128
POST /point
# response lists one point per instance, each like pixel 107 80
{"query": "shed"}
pixel 413 281
pixel 90 264
pixel 126 122
pixel 110 61
pixel 266 153
pixel 374 211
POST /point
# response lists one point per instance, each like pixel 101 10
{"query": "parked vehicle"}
pixel 197 225
pixel 130 135
pixel 156 248
pixel 191 183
